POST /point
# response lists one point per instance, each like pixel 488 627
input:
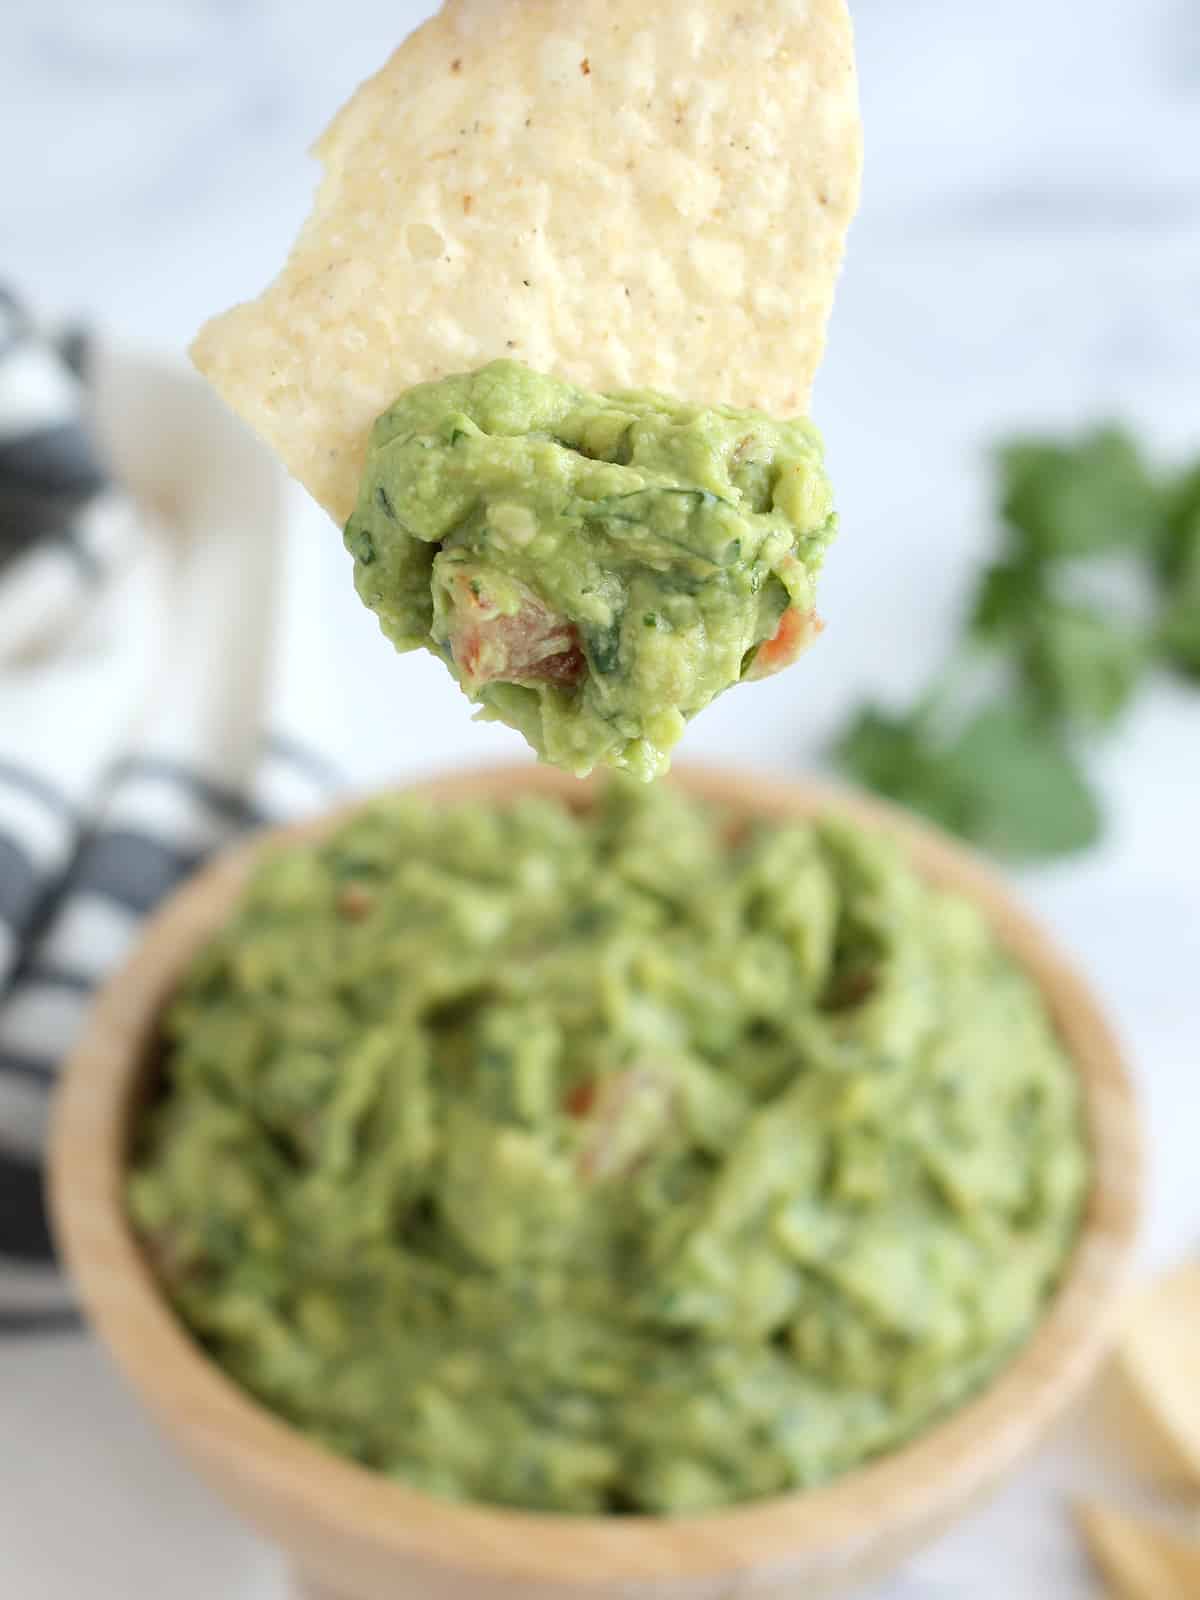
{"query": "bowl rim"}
pixel 238 1441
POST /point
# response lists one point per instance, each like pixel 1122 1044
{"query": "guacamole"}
pixel 632 1161
pixel 593 569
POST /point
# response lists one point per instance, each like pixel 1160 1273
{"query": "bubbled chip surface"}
pixel 627 194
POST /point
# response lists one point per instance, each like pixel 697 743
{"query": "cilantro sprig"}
pixel 1001 764
pixel 1179 568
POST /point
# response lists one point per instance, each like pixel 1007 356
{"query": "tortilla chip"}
pixel 1140 1559
pixel 629 194
pixel 1155 1390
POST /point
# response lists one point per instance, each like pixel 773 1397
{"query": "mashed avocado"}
pixel 618 1162
pixel 593 569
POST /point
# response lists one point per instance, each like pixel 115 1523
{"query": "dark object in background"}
pixel 1001 768
pixel 49 472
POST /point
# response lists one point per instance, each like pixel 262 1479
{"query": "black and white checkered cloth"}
pixel 135 728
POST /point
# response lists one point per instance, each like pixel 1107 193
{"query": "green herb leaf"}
pixel 895 756
pixel 1078 499
pixel 1078 664
pixel 359 542
pixel 1027 796
pixel 1081 665
pixel 1005 777
pixel 1006 781
pixel 603 645
pixel 1179 625
pixel 1182 522
pixel 1007 593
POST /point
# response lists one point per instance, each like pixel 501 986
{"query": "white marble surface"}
pixel 1029 252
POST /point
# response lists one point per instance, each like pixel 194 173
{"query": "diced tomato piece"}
pixel 531 644
pixel 626 1115
pixel 796 631
pixel 355 902
pixel 581 1098
pixel 566 668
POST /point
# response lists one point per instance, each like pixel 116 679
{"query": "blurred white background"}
pixel 1028 253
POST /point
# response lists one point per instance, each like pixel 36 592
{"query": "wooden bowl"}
pixel 355 1535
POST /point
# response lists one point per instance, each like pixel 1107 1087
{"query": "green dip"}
pixel 624 1162
pixel 593 569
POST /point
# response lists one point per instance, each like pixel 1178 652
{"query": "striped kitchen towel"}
pixel 138 709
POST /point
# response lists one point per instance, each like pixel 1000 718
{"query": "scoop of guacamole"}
pixel 593 569
pixel 629 1161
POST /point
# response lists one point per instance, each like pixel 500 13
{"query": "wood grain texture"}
pixel 358 1536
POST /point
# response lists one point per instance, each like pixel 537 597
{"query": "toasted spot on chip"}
pixel 659 198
